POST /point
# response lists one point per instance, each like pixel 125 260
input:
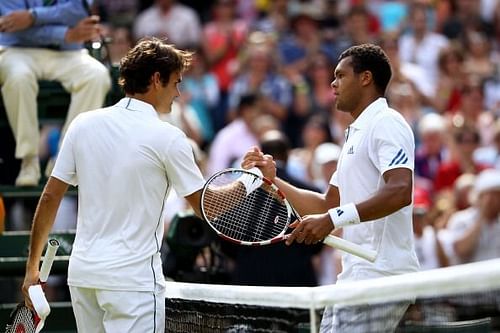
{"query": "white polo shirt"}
pixel 377 141
pixel 124 160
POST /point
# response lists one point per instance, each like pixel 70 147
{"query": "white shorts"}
pixel 111 311
pixel 383 318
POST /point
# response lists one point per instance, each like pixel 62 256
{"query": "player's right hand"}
pixel 256 158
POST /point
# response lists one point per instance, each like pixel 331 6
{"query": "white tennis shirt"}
pixel 377 141
pixel 124 160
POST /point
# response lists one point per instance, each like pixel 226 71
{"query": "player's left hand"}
pixel 311 229
pixel 30 279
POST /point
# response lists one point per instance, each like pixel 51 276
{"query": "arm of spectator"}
pixel 465 246
pixel 87 29
pixel 66 13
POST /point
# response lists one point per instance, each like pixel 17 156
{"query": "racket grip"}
pixel 50 254
pixel 350 247
pixel 40 304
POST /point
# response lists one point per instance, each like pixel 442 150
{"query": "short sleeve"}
pixel 392 144
pixel 182 170
pixel 65 167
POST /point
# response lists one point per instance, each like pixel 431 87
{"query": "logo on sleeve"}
pixel 351 150
pixel 400 158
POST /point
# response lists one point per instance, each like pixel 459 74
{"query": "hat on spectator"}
pixel 326 152
pixel 421 201
pixel 487 180
pixel 431 122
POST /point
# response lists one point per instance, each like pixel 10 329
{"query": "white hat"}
pixel 431 122
pixel 326 152
pixel 487 180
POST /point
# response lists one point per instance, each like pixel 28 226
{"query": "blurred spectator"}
pixel 420 45
pixel 201 91
pixel 428 247
pixel 275 21
pixel 120 13
pixel 476 230
pixel 451 80
pixel 232 142
pixel 326 157
pixel 466 140
pixel 304 39
pixel 172 20
pixel 490 154
pixel 465 16
pixel 431 150
pixel 259 76
pixel 301 158
pixel 46 42
pixel 121 41
pixel 478 60
pixel 223 37
pixel 275 264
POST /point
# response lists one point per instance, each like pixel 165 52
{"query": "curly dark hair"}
pixel 149 56
pixel 370 57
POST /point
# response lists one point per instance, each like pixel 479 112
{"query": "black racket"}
pixel 248 209
pixel 23 319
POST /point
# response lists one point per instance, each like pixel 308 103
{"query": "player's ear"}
pixel 366 78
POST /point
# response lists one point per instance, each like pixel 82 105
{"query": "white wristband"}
pixel 251 183
pixel 345 215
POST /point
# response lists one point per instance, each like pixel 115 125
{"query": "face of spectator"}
pixel 419 21
pixel 433 142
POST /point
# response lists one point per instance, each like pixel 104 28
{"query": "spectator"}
pixel 223 38
pixel 202 93
pixel 259 76
pixel 231 143
pixel 476 230
pixel 428 247
pixel 121 43
pixel 431 151
pixel 53 35
pixel 490 154
pixel 465 141
pixel 422 46
pixel 172 20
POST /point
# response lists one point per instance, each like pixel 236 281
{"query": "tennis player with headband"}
pixel 125 160
pixel 370 195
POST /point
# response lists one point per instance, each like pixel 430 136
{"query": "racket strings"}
pixel 258 216
pixel 23 321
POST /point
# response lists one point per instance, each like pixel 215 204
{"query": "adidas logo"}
pixel 351 150
pixel 339 212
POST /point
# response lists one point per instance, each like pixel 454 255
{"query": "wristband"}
pixel 343 216
pixel 250 182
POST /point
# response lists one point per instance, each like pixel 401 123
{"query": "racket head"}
pixel 260 217
pixel 22 320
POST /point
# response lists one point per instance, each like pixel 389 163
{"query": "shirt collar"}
pixel 369 112
pixel 132 104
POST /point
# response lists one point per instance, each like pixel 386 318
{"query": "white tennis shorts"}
pixel 111 311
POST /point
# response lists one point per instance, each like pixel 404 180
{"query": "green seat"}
pixel 14 252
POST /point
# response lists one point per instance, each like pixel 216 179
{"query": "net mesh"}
pixel 463 298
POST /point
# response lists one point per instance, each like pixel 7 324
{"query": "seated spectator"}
pixel 45 42
pixel 428 247
pixel 234 140
pixel 169 19
pixel 475 231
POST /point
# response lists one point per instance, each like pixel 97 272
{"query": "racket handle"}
pixel 50 254
pixel 350 247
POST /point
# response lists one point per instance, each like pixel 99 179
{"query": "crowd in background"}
pixel 264 66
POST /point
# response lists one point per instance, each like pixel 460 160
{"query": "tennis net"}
pixel 464 298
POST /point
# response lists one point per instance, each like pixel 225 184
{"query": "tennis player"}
pixel 370 194
pixel 124 160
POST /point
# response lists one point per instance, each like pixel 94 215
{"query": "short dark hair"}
pixel 149 56
pixel 370 57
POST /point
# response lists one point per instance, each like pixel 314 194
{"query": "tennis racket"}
pixel 247 209
pixel 22 318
